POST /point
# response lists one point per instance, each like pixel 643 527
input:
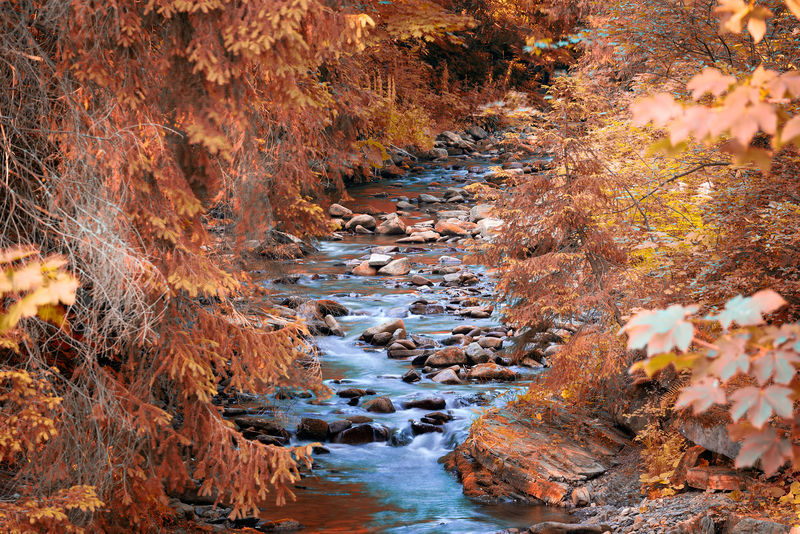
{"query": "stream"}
pixel 396 485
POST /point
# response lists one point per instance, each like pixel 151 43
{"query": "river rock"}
pixel 450 228
pixel 391 226
pixel 480 212
pixel 390 327
pixel 380 405
pixel 363 269
pixel 751 525
pixel 447 357
pixel 423 342
pixel 429 403
pixel 428 235
pixel 312 429
pixel 711 435
pixel 377 261
pixel 361 230
pixel 490 343
pixel 350 393
pixel 519 455
pixel 337 210
pixel 477 312
pixel 362 434
pixel 381 338
pixel 490 371
pixel 436 418
pixel 716 478
pixel 412 375
pixel 477 133
pixel 367 221
pixel 448 376
pixel 449 259
pixel 554 527
pixel 397 267
pixel 429 199
pixel 437 153
pixel 339 426
pixel 334 326
pixel 281 525
pixel 419 280
pixel 418 428
pixel 451 138
pixel 405 205
pixel 331 307
pixel 487 227
pixel 401 354
pixel 463 329
pixel 476 354
pixel 414 238
pixel 452 214
pixel 262 424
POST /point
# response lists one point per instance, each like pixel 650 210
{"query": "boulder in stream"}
pixel 490 371
pixel 429 199
pixel 429 403
pixel 363 269
pixel 334 326
pixel 380 405
pixel 477 354
pixel 362 434
pixel 447 357
pixel 448 376
pixel 367 221
pixel 312 429
pixel 389 327
pixel 397 267
pixel 337 210
pixel 419 280
pixel 418 428
pixel 391 226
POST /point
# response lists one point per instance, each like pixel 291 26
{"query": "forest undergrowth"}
pixel 668 221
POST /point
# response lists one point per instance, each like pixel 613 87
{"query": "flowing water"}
pixel 385 487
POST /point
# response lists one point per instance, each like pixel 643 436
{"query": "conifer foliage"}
pixel 121 124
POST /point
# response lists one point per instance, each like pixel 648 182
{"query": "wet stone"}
pixel 418 428
pixel 380 405
pixel 412 375
pixel 362 434
pixel 448 376
pixel 312 429
pixel 354 392
pixel 431 403
pixel 339 426
pixel 447 357
pixel 437 418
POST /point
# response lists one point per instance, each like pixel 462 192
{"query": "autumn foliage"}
pixel 673 179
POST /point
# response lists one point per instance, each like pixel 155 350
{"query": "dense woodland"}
pixel 664 229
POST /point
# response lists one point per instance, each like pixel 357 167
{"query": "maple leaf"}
pixel 661 330
pixel 759 404
pixel 732 14
pixel 791 130
pixel 794 6
pixel 730 358
pixel 767 446
pixel 748 311
pixel 776 364
pixel 757 23
pixel 710 81
pixel 701 395
pixel 658 109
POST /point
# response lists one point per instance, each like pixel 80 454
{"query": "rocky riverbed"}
pixel 411 345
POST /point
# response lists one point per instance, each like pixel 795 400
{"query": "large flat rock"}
pixel 516 456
